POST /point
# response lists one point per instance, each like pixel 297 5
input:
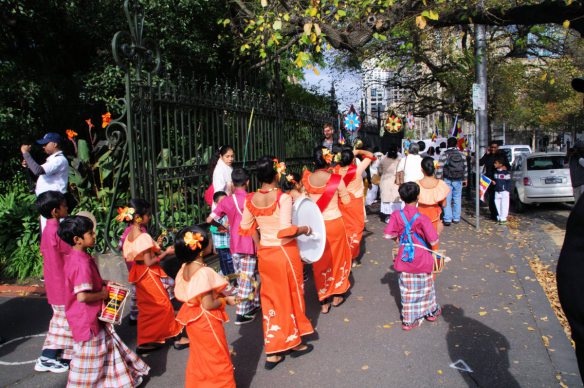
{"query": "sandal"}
pixel 269 365
pixel 302 352
pixel 341 302
pixel 180 346
pixel 325 306
pixel 142 349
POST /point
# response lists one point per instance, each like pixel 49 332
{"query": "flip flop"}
pixel 298 353
pixel 269 365
pixel 338 304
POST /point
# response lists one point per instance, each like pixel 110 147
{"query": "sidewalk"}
pixel 495 317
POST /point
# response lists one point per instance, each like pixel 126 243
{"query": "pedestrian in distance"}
pixel 409 168
pixel 200 289
pixel 101 359
pixel 328 139
pixel 488 161
pixel 242 248
pixel 58 347
pixel 452 168
pixel 388 185
pixel 576 163
pixel 220 236
pixel 502 190
pixel 220 169
pixel 413 231
pixel 53 174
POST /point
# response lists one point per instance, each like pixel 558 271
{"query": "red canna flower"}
pixel 105 119
pixel 71 134
pixel 89 123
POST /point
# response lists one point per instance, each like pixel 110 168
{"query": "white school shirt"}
pixel 222 176
pixel 56 174
pixel 411 165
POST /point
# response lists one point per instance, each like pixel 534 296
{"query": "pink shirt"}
pixel 54 250
pixel 423 261
pixel 238 244
pixel 81 274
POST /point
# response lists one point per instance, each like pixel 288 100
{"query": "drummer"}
pixel 279 265
pixel 331 272
pixel 354 212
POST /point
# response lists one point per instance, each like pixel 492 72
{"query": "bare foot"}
pixel 325 308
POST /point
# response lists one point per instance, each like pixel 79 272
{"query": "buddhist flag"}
pixel 341 137
pixel 484 185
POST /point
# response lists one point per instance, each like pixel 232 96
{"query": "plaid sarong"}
pixel 247 265
pixel 105 361
pixel 59 335
pixel 418 296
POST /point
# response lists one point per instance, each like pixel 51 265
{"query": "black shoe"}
pixel 269 365
pixel 456 222
pixel 298 353
pixel 179 346
pixel 446 223
pixel 243 319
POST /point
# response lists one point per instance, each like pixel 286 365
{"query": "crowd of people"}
pixel 261 271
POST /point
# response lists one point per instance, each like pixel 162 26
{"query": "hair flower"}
pixel 290 178
pixel 327 156
pixel 279 167
pixel 125 214
pixel 193 240
pixel 337 157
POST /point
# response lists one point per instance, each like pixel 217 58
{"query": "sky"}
pixel 347 85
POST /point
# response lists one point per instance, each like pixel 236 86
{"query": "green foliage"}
pixel 19 221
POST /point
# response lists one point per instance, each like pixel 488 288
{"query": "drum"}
pixel 113 309
pixel 306 213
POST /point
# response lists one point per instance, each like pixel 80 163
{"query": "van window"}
pixel 547 163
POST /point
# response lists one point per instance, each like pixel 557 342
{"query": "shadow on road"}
pixel 483 349
pixel 391 278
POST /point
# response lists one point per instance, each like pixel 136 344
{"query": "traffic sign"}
pixel 479 98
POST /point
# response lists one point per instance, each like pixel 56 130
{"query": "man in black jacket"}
pixel 488 160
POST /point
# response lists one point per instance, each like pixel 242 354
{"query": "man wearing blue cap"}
pixel 54 173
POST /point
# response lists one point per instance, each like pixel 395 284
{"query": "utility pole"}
pixel 482 125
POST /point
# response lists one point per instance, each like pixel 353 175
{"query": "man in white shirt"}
pixel 54 173
pixel 411 165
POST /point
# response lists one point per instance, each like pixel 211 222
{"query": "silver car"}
pixel 539 178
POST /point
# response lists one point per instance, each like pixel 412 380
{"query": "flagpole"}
pixel 477 172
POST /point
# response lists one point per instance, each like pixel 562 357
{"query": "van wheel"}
pixel 519 206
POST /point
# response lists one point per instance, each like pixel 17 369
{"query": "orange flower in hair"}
pixel 125 214
pixel 71 134
pixel 193 240
pixel 280 167
pixel 290 178
pixel 327 156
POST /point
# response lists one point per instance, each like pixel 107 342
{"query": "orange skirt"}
pixel 209 364
pixel 282 297
pixel 354 219
pixel 331 272
pixel 156 321
pixel 433 212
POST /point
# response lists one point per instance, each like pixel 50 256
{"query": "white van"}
pixel 512 151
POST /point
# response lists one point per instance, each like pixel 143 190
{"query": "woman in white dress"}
pixel 221 169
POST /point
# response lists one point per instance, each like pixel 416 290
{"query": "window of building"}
pixel 373 92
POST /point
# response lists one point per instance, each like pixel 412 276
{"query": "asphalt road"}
pixel 495 315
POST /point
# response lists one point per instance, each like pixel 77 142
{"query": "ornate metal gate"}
pixel 170 128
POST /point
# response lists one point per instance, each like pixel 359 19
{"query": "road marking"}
pixel 18 339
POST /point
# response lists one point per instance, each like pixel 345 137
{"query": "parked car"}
pixel 512 151
pixel 540 177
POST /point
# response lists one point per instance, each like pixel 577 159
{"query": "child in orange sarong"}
pixel 433 194
pixel 203 312
pixel 157 321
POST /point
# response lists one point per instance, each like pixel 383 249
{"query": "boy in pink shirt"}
pixel 413 231
pixel 242 248
pixel 58 346
pixel 101 358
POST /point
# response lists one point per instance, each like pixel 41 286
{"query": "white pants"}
pixel 502 204
pixel 371 195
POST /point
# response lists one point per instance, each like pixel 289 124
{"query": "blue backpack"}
pixel 407 238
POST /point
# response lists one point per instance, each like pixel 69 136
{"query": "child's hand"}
pixel 231 300
pixel 104 293
pixel 169 250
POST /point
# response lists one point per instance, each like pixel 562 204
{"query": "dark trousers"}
pixel 491 201
pixel 225 261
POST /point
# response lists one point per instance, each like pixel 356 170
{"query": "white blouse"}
pixel 222 177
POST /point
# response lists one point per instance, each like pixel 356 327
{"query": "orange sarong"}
pixel 331 272
pixel 354 219
pixel 156 320
pixel 282 297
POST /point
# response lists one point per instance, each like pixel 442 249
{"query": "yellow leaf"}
pixel 566 24
pixel 307 28
pixel 317 29
pixel 346 319
pixel 433 15
pixel 312 11
pixel 421 22
pixel 569 2
pixel 552 81
pixel 264 3
pixel 387 326
pixel 407 353
pixel 315 70
pixel 439 371
pixel 530 328
pixel 365 367
pixel 543 77
pixel 483 313
pixel 277 25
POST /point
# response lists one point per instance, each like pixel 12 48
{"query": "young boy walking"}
pixel 502 190
pixel 221 238
pixel 413 231
pixel 58 347
pixel 101 358
pixel 242 248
